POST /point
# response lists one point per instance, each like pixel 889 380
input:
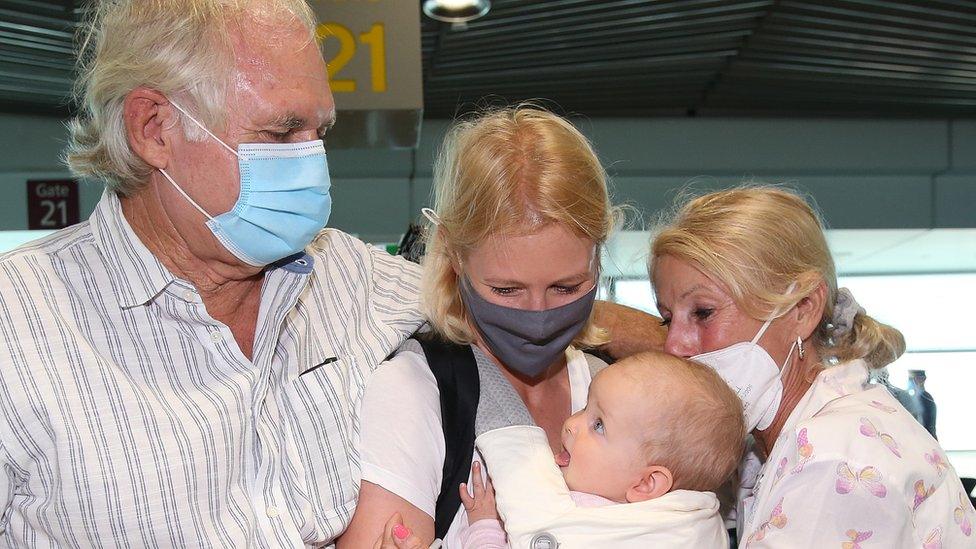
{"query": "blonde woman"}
pixel 745 283
pixel 521 209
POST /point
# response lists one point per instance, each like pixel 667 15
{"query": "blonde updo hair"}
pixel 509 171
pixel 756 241
pixel 176 47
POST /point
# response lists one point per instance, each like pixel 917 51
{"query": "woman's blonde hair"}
pixel 176 47
pixel 756 241
pixel 509 171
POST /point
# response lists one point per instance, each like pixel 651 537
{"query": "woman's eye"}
pixel 665 321
pixel 568 289
pixel 703 313
pixel 598 425
pixel 502 291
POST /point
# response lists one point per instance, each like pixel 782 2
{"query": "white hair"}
pixel 176 47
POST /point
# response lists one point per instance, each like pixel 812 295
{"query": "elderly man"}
pixel 184 369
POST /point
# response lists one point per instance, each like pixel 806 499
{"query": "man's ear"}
pixel 147 115
pixel 809 311
pixel 653 483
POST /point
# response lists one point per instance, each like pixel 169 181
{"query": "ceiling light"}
pixel 456 11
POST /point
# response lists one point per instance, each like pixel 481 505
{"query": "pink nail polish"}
pixel 401 532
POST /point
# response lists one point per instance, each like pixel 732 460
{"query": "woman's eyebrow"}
pixel 692 290
pixel 502 282
pixel 579 277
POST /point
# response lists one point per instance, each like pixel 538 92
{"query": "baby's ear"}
pixel 655 481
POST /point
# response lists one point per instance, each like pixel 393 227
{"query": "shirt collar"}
pixel 137 276
pixel 831 383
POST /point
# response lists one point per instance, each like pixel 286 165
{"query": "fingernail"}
pixel 401 532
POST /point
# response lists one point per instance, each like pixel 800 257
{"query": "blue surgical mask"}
pixel 284 199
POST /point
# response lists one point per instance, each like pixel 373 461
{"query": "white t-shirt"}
pixel 402 437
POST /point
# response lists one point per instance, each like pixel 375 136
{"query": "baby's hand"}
pixel 482 505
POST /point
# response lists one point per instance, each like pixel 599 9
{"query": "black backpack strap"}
pixel 456 372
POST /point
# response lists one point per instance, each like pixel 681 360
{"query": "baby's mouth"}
pixel 562 458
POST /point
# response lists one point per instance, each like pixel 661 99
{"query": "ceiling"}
pixel 630 57
pixel 856 252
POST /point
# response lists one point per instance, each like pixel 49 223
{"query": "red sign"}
pixel 52 203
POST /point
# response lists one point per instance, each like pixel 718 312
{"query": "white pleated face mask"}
pixel 752 374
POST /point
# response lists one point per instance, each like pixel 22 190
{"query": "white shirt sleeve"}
pixel 402 437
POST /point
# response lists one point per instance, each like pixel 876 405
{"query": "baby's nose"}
pixel 570 424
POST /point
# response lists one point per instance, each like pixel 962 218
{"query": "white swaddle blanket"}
pixel 534 502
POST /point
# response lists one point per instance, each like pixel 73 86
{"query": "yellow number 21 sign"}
pixel 374 40
pixel 373 52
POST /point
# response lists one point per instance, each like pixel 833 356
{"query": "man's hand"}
pixel 631 331
pixel 482 505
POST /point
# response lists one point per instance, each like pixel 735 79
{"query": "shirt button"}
pixel 272 511
pixel 215 336
pixel 543 540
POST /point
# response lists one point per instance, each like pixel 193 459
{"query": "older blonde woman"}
pixel 745 283
pixel 511 270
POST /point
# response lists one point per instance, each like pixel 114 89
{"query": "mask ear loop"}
pixel 431 215
pixel 170 179
pixel 797 345
pixel 186 196
pixel 772 317
pixel 202 127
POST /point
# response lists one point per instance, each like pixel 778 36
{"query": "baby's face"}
pixel 602 443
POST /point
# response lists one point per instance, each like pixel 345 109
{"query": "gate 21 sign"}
pixel 372 48
pixel 374 39
pixel 373 52
pixel 52 203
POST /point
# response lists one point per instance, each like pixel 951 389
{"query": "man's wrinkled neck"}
pixel 148 219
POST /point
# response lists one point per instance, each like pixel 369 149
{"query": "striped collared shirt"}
pixel 130 418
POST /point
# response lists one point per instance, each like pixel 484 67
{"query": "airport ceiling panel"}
pixel 851 55
pixel 789 57
pixel 596 57
pixel 629 57
pixel 36 54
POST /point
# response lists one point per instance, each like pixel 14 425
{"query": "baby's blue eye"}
pixel 598 425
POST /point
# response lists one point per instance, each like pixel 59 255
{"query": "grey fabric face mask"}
pixel 528 342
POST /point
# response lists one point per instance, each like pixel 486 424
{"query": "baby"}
pixel 658 433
